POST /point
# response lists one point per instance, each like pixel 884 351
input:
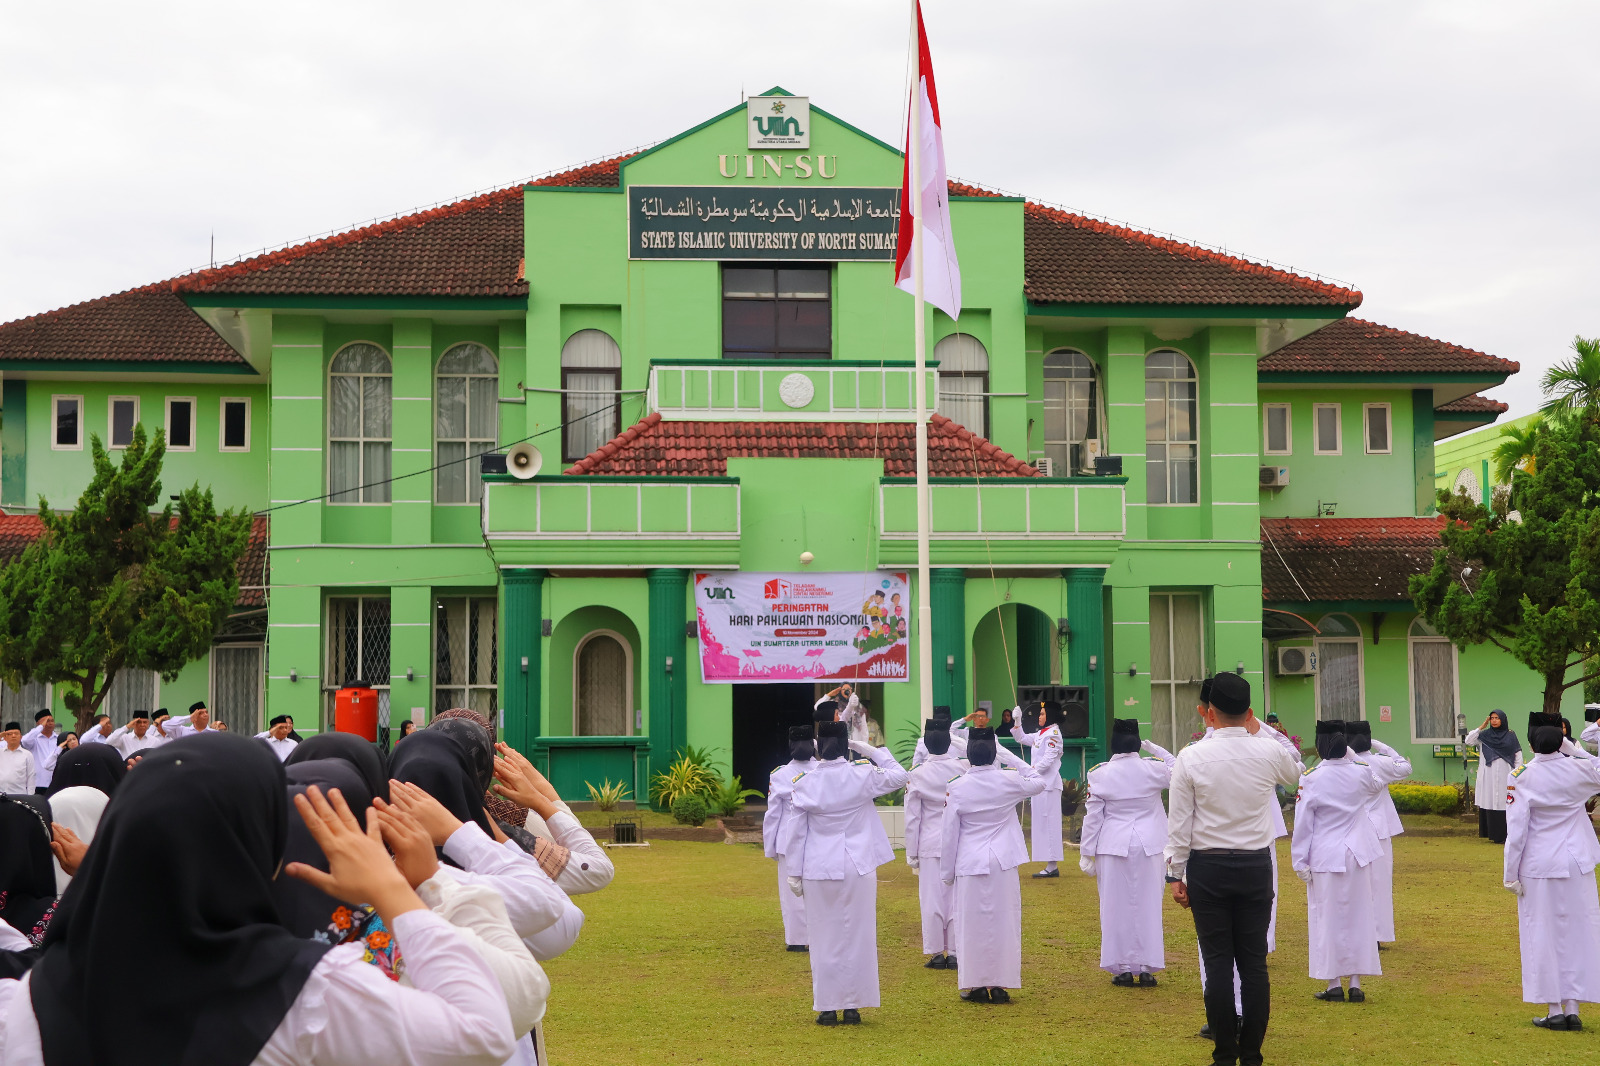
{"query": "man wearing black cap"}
pixel 198 720
pixel 779 826
pixel 46 746
pixel 925 806
pixel 1219 838
pixel 137 737
pixel 16 762
pixel 277 737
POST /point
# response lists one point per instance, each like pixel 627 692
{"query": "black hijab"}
pixel 475 741
pixel 307 910
pixel 95 765
pixel 442 768
pixel 1499 743
pixel 364 755
pixel 981 746
pixel 27 878
pixel 177 889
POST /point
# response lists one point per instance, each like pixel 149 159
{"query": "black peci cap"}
pixel 1230 694
pixel 1329 726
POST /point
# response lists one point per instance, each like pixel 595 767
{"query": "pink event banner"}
pixel 792 627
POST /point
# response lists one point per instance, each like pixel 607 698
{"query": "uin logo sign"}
pixel 719 592
pixel 779 121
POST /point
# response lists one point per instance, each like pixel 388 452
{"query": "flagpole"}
pixel 924 510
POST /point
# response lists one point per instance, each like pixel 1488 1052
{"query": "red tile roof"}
pixel 147 325
pixel 1306 559
pixel 1477 403
pixel 1355 345
pixel 1074 259
pixel 659 448
pixel 17 531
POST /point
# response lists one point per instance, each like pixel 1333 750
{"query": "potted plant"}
pixel 605 799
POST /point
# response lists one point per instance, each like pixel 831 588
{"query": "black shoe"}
pixel 935 963
pixel 851 1016
pixel 1357 996
pixel 1049 873
pixel 999 995
pixel 1330 995
pixel 976 995
pixel 1147 980
pixel 1123 980
pixel 1205 1031
pixel 1574 1023
pixel 828 1017
pixel 949 962
pixel 1557 1022
pixel 1382 946
pixel 796 947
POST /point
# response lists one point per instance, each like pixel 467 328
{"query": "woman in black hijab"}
pixel 27 876
pixel 443 768
pixel 1500 752
pixel 306 909
pixel 96 765
pixel 364 755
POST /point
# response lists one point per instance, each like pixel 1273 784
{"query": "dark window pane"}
pixel 776 312
pixel 748 281
pixel 67 422
pixel 803 284
pixel 747 325
pixel 803 326
pixel 181 434
pixel 122 419
pixel 234 421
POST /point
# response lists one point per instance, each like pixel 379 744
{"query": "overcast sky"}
pixel 1442 157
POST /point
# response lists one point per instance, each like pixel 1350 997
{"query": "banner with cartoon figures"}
pixel 794 627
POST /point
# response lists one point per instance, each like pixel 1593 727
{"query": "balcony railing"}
pixel 1007 509
pixel 789 390
pixel 565 508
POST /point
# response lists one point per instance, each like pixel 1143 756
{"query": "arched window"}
pixel 1434 695
pixel 1070 417
pixel 360 392
pixel 591 382
pixel 602 686
pixel 1339 668
pixel 1171 429
pixel 466 420
pixel 963 381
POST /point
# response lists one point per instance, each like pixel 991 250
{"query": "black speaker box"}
pixel 1073 699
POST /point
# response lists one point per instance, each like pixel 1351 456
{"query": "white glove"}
pixel 1086 864
pixel 913 862
pixel 1515 886
pixel 862 748
pixel 952 881
pixel 796 887
pixel 1304 875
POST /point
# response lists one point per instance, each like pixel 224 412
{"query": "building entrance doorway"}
pixel 762 715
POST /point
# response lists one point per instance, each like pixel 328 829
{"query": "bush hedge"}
pixel 1413 798
pixel 690 810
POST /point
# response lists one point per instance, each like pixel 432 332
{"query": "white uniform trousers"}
pixel 1272 940
pixel 794 910
pixel 938 902
pixel 1558 919
pixel 1046 811
pixel 844 947
pixel 1132 889
pixel 989 930
pixel 1343 928
pixel 1383 891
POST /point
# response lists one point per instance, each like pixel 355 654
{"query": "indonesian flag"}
pixel 941 274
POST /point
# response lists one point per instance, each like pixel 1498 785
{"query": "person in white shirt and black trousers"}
pixel 1219 836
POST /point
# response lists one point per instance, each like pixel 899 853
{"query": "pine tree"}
pixel 114 585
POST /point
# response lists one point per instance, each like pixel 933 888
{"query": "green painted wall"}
pixel 1362 485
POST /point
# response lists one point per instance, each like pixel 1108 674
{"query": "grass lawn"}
pixel 682 961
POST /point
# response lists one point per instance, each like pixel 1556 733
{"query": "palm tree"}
pixel 1574 384
pixel 1517 445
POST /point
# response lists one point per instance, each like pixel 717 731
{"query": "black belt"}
pixel 1230 851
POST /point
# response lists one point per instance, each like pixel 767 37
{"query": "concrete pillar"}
pixel 411 515
pixel 948 598
pixel 669 691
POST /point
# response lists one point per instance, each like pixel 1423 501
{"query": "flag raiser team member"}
pixel 1045 752
pixel 1219 835
pixel 1550 859
pixel 1124 834
pixel 925 809
pixel 837 850
pixel 1388 766
pixel 779 825
pixel 958 737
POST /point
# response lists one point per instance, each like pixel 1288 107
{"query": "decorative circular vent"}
pixel 1293 660
pixel 796 390
pixel 1467 483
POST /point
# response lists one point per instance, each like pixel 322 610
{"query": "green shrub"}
pixel 608 795
pixel 1413 798
pixel 726 799
pixel 687 776
pixel 689 810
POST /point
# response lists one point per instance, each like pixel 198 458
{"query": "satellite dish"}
pixel 523 461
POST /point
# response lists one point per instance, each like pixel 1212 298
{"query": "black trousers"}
pixel 1231 899
pixel 1492 824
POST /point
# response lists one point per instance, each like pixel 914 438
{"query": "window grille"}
pixel 1177 657
pixel 1070 415
pixel 466 664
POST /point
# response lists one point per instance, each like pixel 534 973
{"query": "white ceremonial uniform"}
pixel 1334 841
pixel 1388 766
pixel 1490 792
pixel 981 850
pixel 838 847
pixel 1124 835
pixel 127 742
pixel 1044 755
pixel 1551 851
pixel 1590 736
pixel 853 715
pixel 958 748
pixel 777 827
pixel 17 770
pixel 46 749
pixel 925 798
pixel 280 748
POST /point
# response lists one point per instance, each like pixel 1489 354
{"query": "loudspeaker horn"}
pixel 523 461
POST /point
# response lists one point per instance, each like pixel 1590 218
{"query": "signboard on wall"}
pixel 760 628
pixel 725 222
pixel 779 121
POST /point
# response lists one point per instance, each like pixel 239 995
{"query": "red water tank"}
pixel 355 710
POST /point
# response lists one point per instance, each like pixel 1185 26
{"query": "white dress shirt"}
pixel 130 744
pixel 46 749
pixel 17 770
pixel 841 833
pixel 1388 766
pixel 1044 753
pixel 533 901
pixel 1123 814
pixel 1331 823
pixel 981 833
pixel 280 748
pixel 1546 827
pixel 1223 793
pixel 778 825
pixel 925 805
pixel 179 727
pixel 480 915
pixel 94 736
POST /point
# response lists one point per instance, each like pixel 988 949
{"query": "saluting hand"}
pixel 432 815
pixel 359 869
pixel 410 842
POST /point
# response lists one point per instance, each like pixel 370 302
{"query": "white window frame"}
pixel 194 421
pixel 55 415
pixel 1173 682
pixel 434 684
pixel 1288 428
pixel 1366 428
pixel 1097 397
pixel 1411 684
pixel 1361 664
pixel 331 684
pixel 261 677
pixel 627 658
pixel 472 468
pixel 111 424
pixel 222 423
pixel 1166 441
pixel 363 482
pixel 1338 429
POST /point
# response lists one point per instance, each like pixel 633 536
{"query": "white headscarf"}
pixel 79 809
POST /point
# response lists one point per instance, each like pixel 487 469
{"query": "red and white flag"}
pixel 941 274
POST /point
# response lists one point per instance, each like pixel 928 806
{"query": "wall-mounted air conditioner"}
pixel 1274 477
pixel 1045 465
pixel 1296 662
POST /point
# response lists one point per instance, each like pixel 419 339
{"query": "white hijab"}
pixel 79 809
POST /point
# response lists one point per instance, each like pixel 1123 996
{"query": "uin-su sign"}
pixel 779 121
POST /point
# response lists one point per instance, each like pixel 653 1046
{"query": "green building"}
pixel 1150 460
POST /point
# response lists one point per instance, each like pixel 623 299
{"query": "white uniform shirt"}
pixel 130 744
pixel 280 748
pixel 16 770
pixel 1330 816
pixel 1124 813
pixel 94 736
pixel 780 823
pixel 1546 827
pixel 925 804
pixel 179 727
pixel 981 833
pixel 46 750
pixel 1224 792
pixel 1045 751
pixel 1388 766
pixel 841 833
